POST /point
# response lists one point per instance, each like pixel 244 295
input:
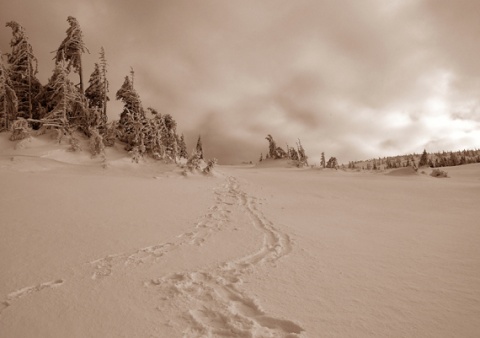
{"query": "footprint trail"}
pixel 218 307
pixel 17 294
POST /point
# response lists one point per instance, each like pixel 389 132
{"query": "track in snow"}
pixel 212 300
pixel 17 294
pixel 218 307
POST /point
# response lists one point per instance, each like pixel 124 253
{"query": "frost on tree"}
pixel 8 99
pixel 302 157
pixel 132 119
pixel 274 152
pixel 182 148
pixel 154 138
pixel 64 103
pixel 169 137
pixel 199 148
pixel 322 160
pixel 72 48
pixel 23 66
pixel 332 163
pixel 96 95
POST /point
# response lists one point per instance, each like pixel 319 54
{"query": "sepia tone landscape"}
pixel 239 169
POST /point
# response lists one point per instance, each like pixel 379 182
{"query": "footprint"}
pixel 20 293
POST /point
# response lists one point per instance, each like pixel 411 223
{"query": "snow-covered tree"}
pixel 23 66
pixel 210 165
pixel 182 147
pixel 423 159
pixel 72 48
pixel 332 163
pixel 275 152
pixel 132 118
pixel 292 154
pixel 65 105
pixel 302 157
pixel 20 129
pixel 8 99
pixel 97 146
pixel 272 146
pixel 193 162
pixel 199 148
pixel 96 94
pixel 169 137
pixel 322 160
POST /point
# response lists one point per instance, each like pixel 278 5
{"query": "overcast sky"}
pixel 355 79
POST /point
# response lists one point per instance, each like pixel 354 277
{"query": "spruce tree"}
pixel 72 48
pixel 182 148
pixel 302 157
pixel 63 98
pixel 272 147
pixel 293 154
pixel 96 95
pixel 8 99
pixel 23 68
pixel 423 159
pixel 199 148
pixel 332 163
pixel 169 137
pixel 132 118
pixel 322 160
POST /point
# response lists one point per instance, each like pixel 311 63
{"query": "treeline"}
pixel 27 106
pixel 432 160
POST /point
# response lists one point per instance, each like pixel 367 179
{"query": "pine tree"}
pixel 322 160
pixel 272 147
pixel 332 163
pixel 8 99
pixel 182 148
pixel 169 137
pixel 22 71
pixel 155 144
pixel 72 48
pixel 302 157
pixel 63 99
pixel 132 118
pixel 453 161
pixel 293 154
pixel 103 73
pixel 199 148
pixel 96 95
pixel 423 159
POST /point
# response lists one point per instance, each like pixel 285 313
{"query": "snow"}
pixel 140 250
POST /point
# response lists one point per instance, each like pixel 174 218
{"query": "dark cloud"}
pixel 354 79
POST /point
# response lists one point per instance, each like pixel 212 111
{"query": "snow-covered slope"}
pixel 139 250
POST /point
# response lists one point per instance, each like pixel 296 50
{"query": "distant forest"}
pixel 432 160
pixel 28 107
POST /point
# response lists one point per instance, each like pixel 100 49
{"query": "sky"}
pixel 353 79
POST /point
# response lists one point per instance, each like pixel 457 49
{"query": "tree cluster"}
pixel 26 104
pixel 275 152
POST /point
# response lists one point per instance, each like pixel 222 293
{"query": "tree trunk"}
pixel 80 73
